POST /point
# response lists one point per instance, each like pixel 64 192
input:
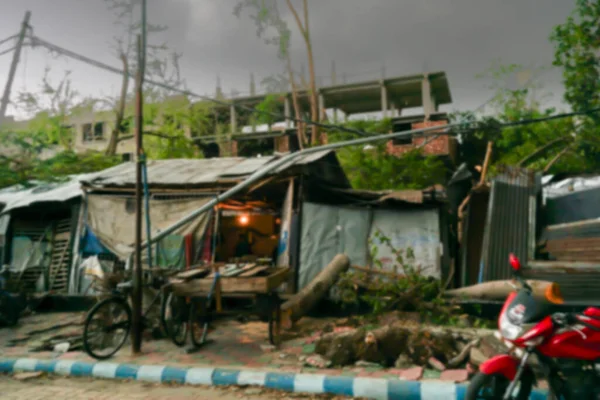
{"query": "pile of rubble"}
pixel 405 345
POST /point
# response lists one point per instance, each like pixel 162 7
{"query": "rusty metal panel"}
pixel 578 241
pixel 510 224
pixel 579 281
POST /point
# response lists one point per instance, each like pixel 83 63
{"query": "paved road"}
pixel 45 387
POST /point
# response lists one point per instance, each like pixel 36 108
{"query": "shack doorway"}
pixel 248 236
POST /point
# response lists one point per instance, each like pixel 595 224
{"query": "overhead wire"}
pixel 8 39
pixel 8 51
pixel 99 64
pixel 162 85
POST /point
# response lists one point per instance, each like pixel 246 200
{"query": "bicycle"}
pixel 113 318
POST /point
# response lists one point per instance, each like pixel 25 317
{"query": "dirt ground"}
pixel 47 387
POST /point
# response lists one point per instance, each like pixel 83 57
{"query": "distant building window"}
pixel 93 132
pixel 99 131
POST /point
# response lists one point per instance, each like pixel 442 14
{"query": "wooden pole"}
pixel 486 162
pixel 136 331
pixel 13 66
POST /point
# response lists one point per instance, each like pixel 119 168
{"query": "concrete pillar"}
pixel 252 85
pixel 428 107
pixel 384 100
pixel 333 83
pixel 233 119
pixel 219 91
pixel 287 112
pixel 321 107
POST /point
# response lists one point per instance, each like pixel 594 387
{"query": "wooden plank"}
pixel 192 273
pixel 261 284
pixel 254 271
pixel 240 271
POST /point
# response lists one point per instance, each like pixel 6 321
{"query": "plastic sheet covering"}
pixel 112 219
pixel 418 230
pixel 27 253
pixel 327 231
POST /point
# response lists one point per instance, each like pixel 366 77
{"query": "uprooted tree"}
pixel 402 287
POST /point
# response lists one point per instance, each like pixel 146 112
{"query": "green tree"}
pixel 266 15
pixel 372 168
pixel 550 146
pixel 161 65
pixel 576 46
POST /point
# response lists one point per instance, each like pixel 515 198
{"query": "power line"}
pixel 99 64
pixel 8 51
pixel 8 38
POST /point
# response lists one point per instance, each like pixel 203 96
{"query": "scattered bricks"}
pixel 411 374
pixel 437 364
pixel 455 375
pixel 317 361
pixel 341 329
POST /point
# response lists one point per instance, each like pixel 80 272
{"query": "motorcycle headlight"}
pixel 509 330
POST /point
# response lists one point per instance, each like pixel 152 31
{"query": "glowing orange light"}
pixel 244 220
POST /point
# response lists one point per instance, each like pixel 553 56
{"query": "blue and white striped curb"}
pixel 373 388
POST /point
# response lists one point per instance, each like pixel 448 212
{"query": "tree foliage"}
pixel 371 167
pixel 32 158
pixel 556 145
pixel 576 49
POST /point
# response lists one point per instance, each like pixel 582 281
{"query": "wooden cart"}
pixel 253 281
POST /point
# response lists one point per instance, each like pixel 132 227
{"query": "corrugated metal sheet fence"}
pixel 510 225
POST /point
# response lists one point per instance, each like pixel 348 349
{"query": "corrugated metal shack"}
pixel 36 233
pixel 500 219
pixel 261 214
pixel 515 215
pixel 569 244
pixel 345 220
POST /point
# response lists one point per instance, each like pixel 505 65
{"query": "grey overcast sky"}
pixel 461 37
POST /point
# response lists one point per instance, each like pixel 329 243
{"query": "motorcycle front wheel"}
pixel 493 387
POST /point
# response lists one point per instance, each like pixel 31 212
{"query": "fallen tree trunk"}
pixel 300 303
pixel 496 290
pixel 303 301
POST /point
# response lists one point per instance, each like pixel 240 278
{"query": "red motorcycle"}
pixel 566 345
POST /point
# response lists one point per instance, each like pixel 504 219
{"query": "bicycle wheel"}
pixel 107 327
pixel 174 316
pixel 199 321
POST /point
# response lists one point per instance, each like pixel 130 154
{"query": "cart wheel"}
pixel 275 326
pixel 199 321
pixel 173 318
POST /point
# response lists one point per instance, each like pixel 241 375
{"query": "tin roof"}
pixel 18 197
pixel 182 173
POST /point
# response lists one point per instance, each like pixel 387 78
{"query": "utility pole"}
pixel 13 66
pixel 136 331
